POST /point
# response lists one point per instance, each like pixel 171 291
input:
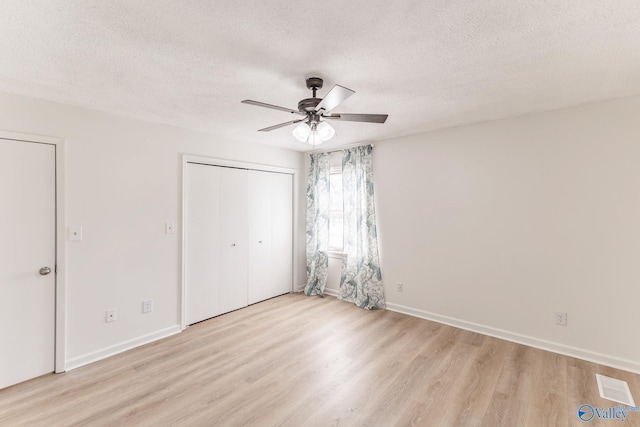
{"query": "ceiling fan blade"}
pixel 281 125
pixel 369 118
pixel 274 107
pixel 335 96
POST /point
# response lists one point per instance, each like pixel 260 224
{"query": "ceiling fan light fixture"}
pixel 325 131
pixel 302 132
pixel 314 133
pixel 314 139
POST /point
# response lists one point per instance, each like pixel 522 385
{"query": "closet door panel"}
pixel 270 219
pixel 282 232
pixel 260 239
pixel 202 243
pixel 233 223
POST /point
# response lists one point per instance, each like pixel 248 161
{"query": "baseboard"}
pixel 578 353
pixel 85 359
pixel 332 292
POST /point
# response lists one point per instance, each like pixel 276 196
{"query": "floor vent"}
pixel 616 390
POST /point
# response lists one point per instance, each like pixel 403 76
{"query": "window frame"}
pixel 335 170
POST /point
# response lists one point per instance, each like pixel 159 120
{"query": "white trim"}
pixel 94 356
pixel 61 246
pixel 28 137
pixel 332 292
pixel 579 353
pixel 189 158
pixel 183 279
pixel 554 347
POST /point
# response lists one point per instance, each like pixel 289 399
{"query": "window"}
pixel 335 209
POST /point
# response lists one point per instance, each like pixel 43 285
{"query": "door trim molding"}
pixel 60 255
pixel 188 158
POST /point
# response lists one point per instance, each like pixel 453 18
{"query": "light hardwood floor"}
pixel 308 361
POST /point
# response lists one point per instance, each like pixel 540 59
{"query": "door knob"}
pixel 44 271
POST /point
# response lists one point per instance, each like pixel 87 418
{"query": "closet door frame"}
pixel 212 161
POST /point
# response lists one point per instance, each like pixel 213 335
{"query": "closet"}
pixel 238 229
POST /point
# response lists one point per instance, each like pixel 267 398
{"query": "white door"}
pixel 215 241
pixel 260 237
pixel 270 235
pixel 202 242
pixel 27 250
pixel 282 232
pixel 233 221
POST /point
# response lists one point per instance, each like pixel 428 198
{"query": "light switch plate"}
pixel 74 232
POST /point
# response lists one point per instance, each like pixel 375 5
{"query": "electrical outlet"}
pixel 399 287
pixel 561 318
pixel 111 315
pixel 147 305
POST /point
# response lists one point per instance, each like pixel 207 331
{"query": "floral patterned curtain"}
pixel 317 224
pixel 361 280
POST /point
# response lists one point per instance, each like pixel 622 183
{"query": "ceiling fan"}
pixel 313 127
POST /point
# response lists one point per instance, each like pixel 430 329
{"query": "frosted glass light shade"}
pixel 325 131
pixel 314 134
pixel 314 138
pixel 301 132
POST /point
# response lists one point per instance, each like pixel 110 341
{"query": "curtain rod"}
pixel 341 148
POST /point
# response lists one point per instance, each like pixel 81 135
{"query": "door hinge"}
pixel 55 269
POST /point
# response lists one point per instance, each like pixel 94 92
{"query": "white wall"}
pixel 496 226
pixel 123 181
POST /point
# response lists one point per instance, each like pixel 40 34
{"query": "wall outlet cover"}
pixel 561 318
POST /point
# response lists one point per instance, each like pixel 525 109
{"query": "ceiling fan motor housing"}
pixel 308 105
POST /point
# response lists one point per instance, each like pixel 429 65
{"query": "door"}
pixel 233 221
pixel 260 236
pixel 202 242
pixel 27 260
pixel 238 238
pixel 282 232
pixel 215 241
pixel 270 235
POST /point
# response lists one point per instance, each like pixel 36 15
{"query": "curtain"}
pixel 361 279
pixel 317 232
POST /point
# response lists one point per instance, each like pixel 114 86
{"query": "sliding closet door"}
pixel 203 249
pixel 270 235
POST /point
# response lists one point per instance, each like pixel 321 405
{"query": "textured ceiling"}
pixel 428 64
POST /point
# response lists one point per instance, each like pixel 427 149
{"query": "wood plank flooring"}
pixel 309 361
